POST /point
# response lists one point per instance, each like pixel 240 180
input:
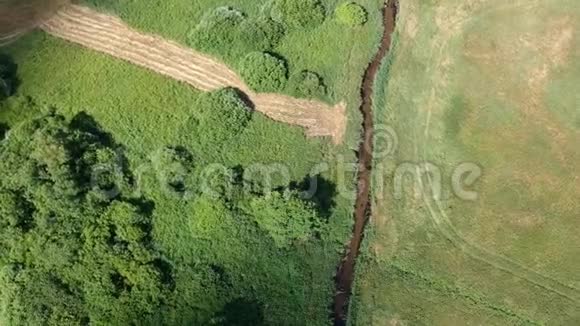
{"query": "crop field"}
pixel 202 259
pixel 492 86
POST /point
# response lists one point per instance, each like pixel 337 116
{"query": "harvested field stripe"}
pixel 84 34
pixel 138 57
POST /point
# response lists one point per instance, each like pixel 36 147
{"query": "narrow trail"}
pixel 345 275
pixel 108 34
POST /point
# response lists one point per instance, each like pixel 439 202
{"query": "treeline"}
pixel 79 246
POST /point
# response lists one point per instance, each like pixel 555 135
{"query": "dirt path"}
pixel 110 35
pixel 345 275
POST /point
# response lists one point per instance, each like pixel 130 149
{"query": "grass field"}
pixel 146 112
pixel 214 260
pixel 491 83
pixel 337 53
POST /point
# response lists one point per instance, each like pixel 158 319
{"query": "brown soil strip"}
pixel 110 35
pixel 345 274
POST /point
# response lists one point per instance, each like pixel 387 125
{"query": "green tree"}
pixel 218 31
pixel 264 72
pixel 73 252
pixel 299 14
pixel 351 14
pixel 307 84
pixel 227 32
pixel 224 116
pixel 287 219
pixel 260 34
pixel 174 166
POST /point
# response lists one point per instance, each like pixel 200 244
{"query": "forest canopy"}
pixel 79 245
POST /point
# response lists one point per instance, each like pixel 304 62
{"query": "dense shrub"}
pixel 286 219
pixel 173 166
pixel 229 33
pixel 264 72
pixel 351 14
pixel 68 254
pixel 225 116
pixel 218 31
pixel 299 13
pixel 307 84
pixel 260 34
pixel 216 119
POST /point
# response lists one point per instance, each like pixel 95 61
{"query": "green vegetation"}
pixel 8 80
pixel 334 51
pixel 307 84
pixel 74 232
pixel 224 108
pixel 173 166
pixel 73 249
pixel 285 217
pixel 138 199
pixel 227 32
pixel 303 14
pixel 450 261
pixel 199 245
pixel 351 14
pixel 264 72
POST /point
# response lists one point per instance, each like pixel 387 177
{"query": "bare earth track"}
pixel 110 35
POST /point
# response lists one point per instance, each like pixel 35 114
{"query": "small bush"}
pixel 218 31
pixel 260 34
pixel 299 13
pixel 264 72
pixel 307 84
pixel 286 220
pixel 173 166
pixel 216 120
pixel 351 14
pixel 226 32
pixel 224 115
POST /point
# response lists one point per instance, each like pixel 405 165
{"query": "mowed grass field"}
pixel 495 84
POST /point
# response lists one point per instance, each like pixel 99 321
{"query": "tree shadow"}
pixel 85 123
pixel 165 269
pixel 82 121
pixel 245 98
pixel 318 190
pixel 8 75
pixel 3 130
pixel 241 312
pixel 145 207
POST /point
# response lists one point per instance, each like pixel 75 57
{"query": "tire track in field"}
pixel 108 34
pixel 442 221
